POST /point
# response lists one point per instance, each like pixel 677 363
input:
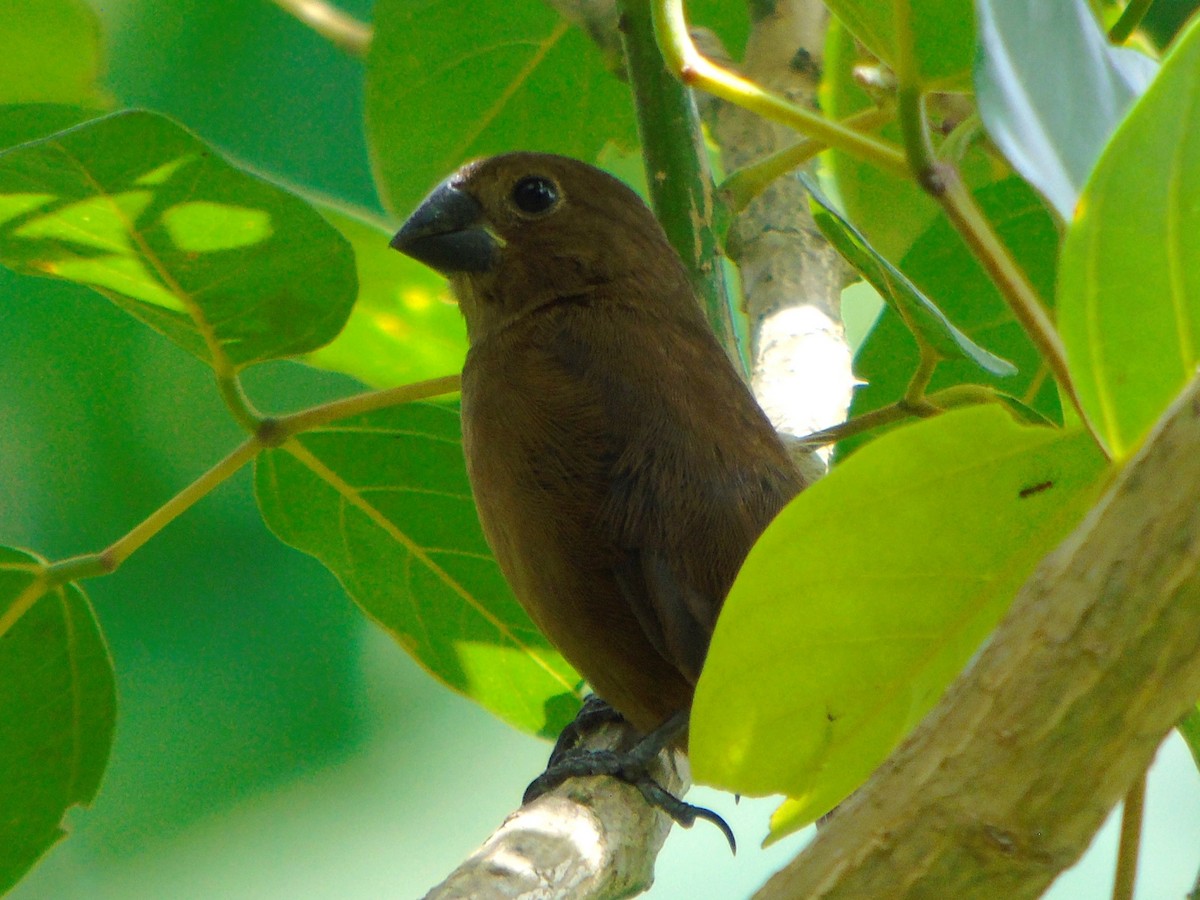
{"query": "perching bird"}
pixel 621 467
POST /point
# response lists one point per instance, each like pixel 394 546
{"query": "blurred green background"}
pixel 270 742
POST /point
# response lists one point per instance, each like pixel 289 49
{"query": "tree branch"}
pixel 588 838
pixel 1006 781
pixel 791 277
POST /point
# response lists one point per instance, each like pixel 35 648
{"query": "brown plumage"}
pixel 621 468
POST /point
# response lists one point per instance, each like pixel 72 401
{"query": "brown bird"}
pixel 621 467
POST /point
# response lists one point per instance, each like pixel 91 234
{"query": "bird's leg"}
pixel 632 766
pixel 594 713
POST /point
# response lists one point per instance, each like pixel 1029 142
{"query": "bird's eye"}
pixel 535 195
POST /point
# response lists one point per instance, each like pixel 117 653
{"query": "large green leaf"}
pixel 141 210
pixel 868 594
pixel 944 35
pixel 942 266
pixel 51 52
pixel 24 122
pixel 450 80
pixel 1129 288
pixel 1051 90
pixel 383 500
pixel 57 710
pixel 920 314
pixel 405 326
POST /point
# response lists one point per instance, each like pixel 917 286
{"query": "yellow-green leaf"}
pixel 1129 283
pixel 869 593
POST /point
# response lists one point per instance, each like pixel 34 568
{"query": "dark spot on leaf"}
pixel 1035 489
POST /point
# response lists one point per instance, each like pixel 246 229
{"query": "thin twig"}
pixel 1131 839
pixel 944 184
pixel 745 184
pixel 1131 18
pixel 687 63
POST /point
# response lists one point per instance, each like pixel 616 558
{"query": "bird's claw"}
pixel 633 766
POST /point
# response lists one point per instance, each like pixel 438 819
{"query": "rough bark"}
pixel 791 277
pixel 590 838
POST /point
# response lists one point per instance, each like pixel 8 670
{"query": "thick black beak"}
pixel 448 233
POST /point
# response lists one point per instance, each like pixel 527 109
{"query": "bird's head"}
pixel 519 231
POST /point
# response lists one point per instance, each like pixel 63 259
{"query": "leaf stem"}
pixel 24 601
pixel 677 173
pixel 338 27
pixel 686 62
pixel 229 385
pixel 1131 18
pixel 929 405
pixel 1131 837
pixel 944 184
pixel 111 558
pixel 268 432
pixel 914 394
pixel 748 182
pixel 285 427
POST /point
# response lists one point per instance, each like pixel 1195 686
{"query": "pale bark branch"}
pixel 791 277
pixel 591 838
pixel 1006 781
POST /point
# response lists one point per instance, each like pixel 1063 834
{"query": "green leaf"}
pixel 25 122
pixel 52 52
pixel 1129 288
pixel 142 211
pixel 1189 730
pixel 383 500
pixel 57 711
pixel 867 595
pixel 891 211
pixel 944 34
pixel 405 326
pixel 447 82
pixel 919 313
pixel 1051 90
pixel 942 266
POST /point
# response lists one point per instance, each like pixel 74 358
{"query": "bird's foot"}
pixel 569 760
pixel 591 716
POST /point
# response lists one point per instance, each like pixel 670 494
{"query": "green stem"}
pixel 1131 838
pixel 929 405
pixel 914 394
pixel 285 427
pixel 943 183
pixel 959 141
pixel 686 62
pixel 677 173
pixel 1131 18
pixel 24 601
pixel 748 182
pixel 230 388
pixel 1028 309
pixel 268 433
pixel 110 559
